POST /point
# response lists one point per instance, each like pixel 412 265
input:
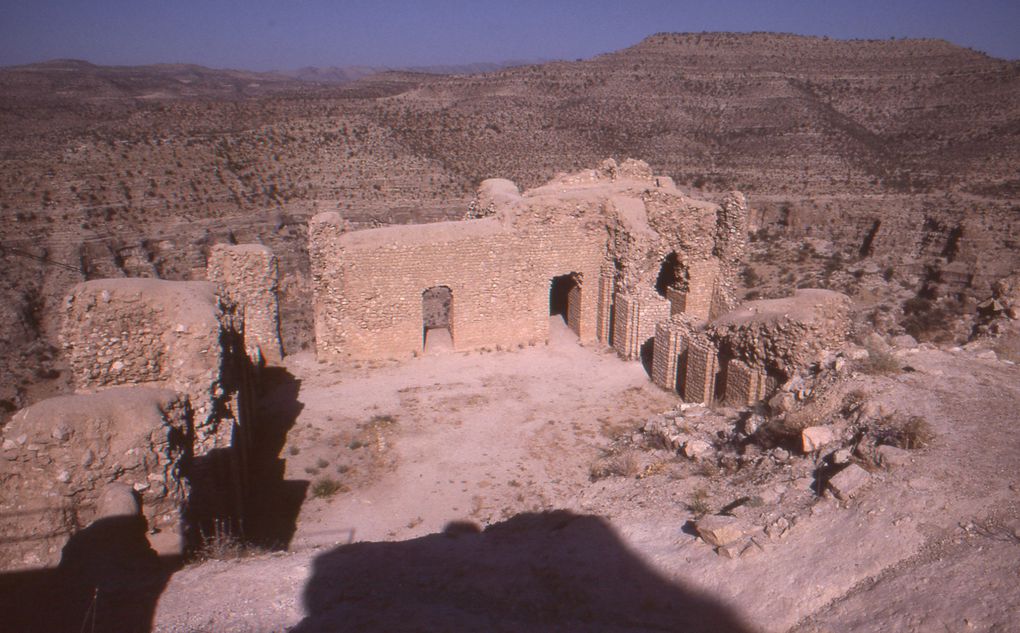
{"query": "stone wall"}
pixel 249 275
pixel 186 337
pixel 740 358
pixel 636 316
pixel 59 456
pixel 612 228
pixel 780 335
pixel 370 304
pixel 699 377
pixel 183 336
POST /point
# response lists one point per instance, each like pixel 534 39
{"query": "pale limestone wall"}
pixel 781 335
pixel 249 275
pixel 369 304
pixel 59 455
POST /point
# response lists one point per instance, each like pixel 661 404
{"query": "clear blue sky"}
pixel 281 34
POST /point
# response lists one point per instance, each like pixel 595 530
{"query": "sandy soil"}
pixel 468 505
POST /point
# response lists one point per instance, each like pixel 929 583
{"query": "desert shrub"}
pixel 327 487
pixel 614 465
pixel 917 432
pixel 880 362
pixel 223 543
pixel 698 502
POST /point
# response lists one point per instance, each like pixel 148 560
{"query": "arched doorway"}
pixel 437 319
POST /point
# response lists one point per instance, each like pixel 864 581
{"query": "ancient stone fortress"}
pixel 165 371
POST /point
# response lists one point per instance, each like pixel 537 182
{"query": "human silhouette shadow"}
pixel 553 571
pixel 108 580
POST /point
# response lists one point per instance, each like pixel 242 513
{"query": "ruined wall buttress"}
pixel 607 280
pixel 635 317
pixel 249 274
pixel 668 355
pixel 699 379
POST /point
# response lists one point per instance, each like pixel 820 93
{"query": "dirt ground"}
pixel 460 497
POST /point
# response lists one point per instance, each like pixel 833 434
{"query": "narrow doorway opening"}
pixel 437 323
pixel 565 300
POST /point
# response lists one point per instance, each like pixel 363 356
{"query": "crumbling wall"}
pixel 184 336
pixel 780 335
pixel 636 316
pixel 249 275
pixel 60 455
pixel 612 228
pixel 699 377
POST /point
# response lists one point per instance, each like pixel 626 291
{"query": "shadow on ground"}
pixel 108 580
pixel 274 502
pixel 553 571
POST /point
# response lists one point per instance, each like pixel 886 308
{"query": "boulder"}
pixel 849 481
pixel 890 456
pixel 719 529
pixel 814 438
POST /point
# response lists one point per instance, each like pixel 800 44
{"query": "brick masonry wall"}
pixel 670 347
pixel 703 276
pixel 635 317
pixel 741 388
pixel 249 275
pixel 699 379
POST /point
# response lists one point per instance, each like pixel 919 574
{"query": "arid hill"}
pixel 902 153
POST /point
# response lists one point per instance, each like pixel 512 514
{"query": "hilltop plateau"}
pixel 898 155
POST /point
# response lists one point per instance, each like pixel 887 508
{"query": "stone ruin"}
pixel 163 370
pixel 627 259
pixel 162 408
pixel 614 250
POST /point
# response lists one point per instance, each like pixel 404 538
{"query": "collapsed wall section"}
pixel 249 275
pixel 60 456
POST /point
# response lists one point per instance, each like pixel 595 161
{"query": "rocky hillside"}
pixel 901 151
